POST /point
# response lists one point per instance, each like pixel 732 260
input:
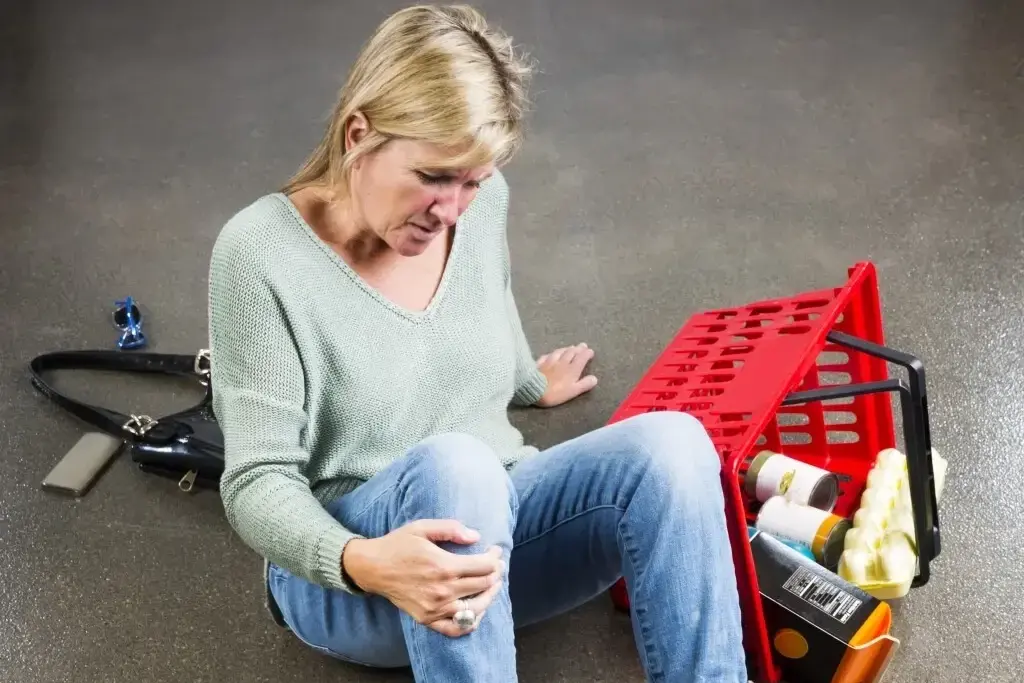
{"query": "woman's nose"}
pixel 447 207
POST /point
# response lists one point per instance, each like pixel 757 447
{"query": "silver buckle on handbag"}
pixel 139 424
pixel 201 366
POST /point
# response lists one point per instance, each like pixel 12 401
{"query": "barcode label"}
pixel 829 598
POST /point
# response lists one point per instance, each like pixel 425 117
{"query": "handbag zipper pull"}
pixel 187 481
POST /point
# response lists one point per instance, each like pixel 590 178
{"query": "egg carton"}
pixel 880 549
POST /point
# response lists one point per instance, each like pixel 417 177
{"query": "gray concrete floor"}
pixel 683 155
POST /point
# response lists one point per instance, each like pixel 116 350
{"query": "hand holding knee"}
pixel 427 582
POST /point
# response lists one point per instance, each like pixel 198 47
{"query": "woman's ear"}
pixel 356 130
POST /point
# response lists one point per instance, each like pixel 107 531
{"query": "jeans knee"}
pixel 458 476
pixel 677 446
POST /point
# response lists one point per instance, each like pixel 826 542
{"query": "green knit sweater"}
pixel 320 382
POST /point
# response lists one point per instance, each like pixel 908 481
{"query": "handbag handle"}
pixel 130 427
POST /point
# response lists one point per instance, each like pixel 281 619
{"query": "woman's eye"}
pixel 432 179
pixel 429 179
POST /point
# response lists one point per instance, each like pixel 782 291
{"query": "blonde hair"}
pixel 438 74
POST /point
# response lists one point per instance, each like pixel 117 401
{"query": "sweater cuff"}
pixel 531 388
pixel 332 545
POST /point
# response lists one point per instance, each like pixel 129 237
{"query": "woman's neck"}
pixel 335 221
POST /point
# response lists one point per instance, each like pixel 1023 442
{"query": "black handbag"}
pixel 187 445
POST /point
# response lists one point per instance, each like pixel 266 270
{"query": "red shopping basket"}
pixel 808 376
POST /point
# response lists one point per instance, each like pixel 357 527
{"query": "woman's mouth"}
pixel 424 232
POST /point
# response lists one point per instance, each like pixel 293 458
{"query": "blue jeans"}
pixel 641 498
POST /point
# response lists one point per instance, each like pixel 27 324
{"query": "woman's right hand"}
pixel 408 568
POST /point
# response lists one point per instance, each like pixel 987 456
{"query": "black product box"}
pixel 822 629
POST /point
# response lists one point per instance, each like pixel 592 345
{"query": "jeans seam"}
pixel 414 646
pixel 371 502
pixel 566 521
pixel 394 486
pixel 653 663
pixel 654 669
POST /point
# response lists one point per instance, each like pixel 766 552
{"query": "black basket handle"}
pixel 916 434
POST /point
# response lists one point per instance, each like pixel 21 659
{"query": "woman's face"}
pixel 403 196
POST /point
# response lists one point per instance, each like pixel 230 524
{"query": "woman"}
pixel 366 347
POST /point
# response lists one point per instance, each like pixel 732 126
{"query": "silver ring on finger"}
pixel 464 617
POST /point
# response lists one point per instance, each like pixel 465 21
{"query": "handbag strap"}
pixel 131 427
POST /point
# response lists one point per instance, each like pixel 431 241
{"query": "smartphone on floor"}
pixel 82 465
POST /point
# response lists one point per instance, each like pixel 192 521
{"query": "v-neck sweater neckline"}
pixel 451 264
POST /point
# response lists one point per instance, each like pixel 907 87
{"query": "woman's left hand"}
pixel 563 369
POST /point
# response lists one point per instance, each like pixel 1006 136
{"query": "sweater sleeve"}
pixel 530 383
pixel 259 397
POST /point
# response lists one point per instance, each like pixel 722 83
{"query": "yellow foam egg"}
pixel 854 566
pixel 897 559
pixel 881 499
pixel 880 479
pixel 903 497
pixel 903 520
pixel 891 459
pixel 869 519
pixel 862 538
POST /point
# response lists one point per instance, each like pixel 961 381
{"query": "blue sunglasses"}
pixel 128 319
